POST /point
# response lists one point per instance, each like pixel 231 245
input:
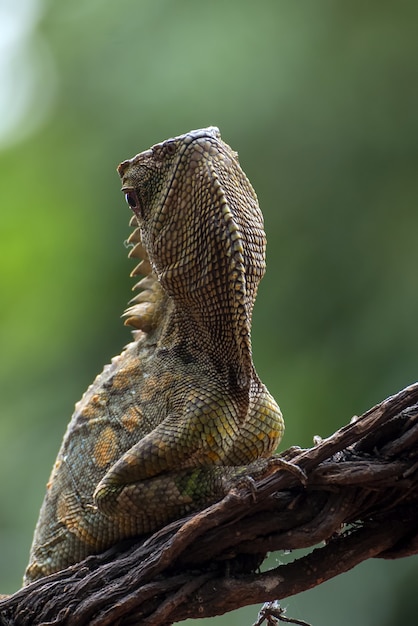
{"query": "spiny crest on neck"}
pixel 144 312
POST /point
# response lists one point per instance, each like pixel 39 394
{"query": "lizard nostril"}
pixel 122 167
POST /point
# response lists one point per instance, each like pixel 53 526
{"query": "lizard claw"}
pixel 249 483
pixel 277 462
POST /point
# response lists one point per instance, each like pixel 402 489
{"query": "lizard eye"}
pixel 132 199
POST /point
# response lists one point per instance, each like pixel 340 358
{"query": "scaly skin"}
pixel 181 414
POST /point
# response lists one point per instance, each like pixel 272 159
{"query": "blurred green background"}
pixel 321 100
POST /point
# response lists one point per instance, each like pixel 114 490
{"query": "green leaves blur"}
pixel 320 100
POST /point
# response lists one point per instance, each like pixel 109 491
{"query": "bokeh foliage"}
pixel 320 100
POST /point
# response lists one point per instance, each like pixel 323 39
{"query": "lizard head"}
pixel 203 232
pixel 151 171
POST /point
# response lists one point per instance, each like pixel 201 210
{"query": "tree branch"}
pixel 359 500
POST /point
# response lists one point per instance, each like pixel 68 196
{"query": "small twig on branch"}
pixel 272 613
pixel 359 500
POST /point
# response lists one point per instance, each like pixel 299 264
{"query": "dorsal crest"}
pixel 143 312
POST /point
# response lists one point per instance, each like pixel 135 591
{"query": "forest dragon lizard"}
pixel 180 414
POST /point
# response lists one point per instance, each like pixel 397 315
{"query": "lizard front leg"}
pixel 160 470
pixel 173 494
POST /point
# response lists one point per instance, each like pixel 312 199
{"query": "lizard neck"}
pixel 204 334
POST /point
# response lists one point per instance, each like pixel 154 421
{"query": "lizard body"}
pixel 180 413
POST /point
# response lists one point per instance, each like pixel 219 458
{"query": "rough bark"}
pixel 351 497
